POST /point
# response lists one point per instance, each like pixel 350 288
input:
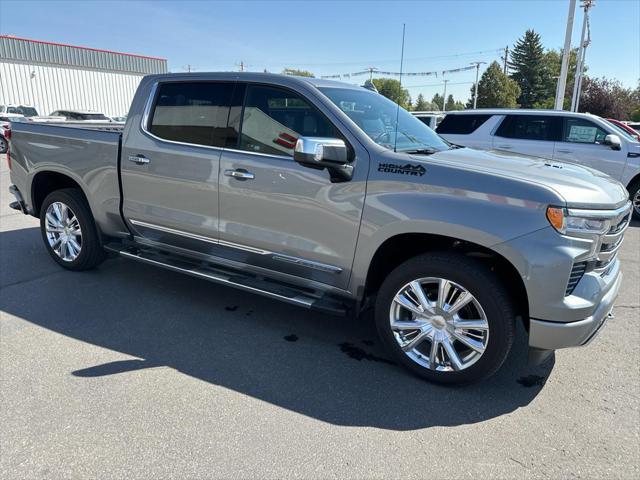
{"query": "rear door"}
pixel 529 134
pixel 170 164
pixel 583 142
pixel 277 214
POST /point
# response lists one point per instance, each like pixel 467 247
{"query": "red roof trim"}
pixel 84 48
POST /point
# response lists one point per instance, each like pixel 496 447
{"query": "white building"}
pixel 53 76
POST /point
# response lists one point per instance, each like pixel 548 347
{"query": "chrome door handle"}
pixel 240 174
pixel 138 159
pixel 505 147
pixel 563 150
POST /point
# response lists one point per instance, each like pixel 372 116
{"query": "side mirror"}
pixel 321 153
pixel 613 141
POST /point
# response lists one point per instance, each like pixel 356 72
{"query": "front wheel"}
pixel 69 231
pixel 446 318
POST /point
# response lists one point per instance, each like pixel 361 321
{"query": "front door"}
pixel 277 214
pixel 583 143
pixel 170 166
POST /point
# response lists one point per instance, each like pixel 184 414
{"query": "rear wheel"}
pixel 3 145
pixel 446 318
pixel 69 231
pixel 634 196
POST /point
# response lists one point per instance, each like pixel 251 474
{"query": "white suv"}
pixel 553 134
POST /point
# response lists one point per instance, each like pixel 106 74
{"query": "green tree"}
pixel 552 62
pixel 452 104
pixel 528 69
pixel 422 104
pixel 392 89
pixel 297 73
pixel 438 101
pixel 495 89
pixel 607 98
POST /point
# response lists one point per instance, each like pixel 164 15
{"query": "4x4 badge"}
pixel 408 169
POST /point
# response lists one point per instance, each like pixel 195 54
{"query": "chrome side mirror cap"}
pixel 613 141
pixel 320 153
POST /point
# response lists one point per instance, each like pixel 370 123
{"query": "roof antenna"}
pixel 395 142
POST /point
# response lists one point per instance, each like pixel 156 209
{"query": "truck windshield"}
pixel 376 116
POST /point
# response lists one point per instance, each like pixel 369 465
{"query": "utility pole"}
pixel 444 97
pixel 475 95
pixel 562 79
pixel 371 70
pixel 505 59
pixel 582 51
pixel 241 66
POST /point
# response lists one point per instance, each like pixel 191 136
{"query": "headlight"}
pixel 575 221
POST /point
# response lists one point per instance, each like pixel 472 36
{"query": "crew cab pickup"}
pixel 331 197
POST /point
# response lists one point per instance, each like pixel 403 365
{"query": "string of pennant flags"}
pixel 397 74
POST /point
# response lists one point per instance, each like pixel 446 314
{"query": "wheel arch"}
pixel 400 248
pixel 47 181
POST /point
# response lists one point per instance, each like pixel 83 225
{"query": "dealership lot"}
pixel 132 371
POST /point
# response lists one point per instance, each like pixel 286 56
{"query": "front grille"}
pixel 576 274
pixel 611 243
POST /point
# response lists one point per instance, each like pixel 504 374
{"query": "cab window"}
pixel 192 112
pixel 579 130
pixel 273 119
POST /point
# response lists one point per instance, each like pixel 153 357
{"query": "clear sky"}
pixel 332 37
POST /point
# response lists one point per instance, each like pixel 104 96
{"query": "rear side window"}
pixel 192 112
pixel 578 130
pixel 275 118
pixel 530 127
pixel 461 124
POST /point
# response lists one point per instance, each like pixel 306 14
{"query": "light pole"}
pixel 475 95
pixel 582 52
pixel 444 97
pixel 562 79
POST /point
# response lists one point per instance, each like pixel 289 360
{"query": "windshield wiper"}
pixel 421 151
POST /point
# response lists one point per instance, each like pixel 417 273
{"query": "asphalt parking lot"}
pixel 131 371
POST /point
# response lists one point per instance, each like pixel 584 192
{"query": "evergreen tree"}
pixel 528 69
pixel 297 73
pixel 495 89
pixel 422 104
pixel 438 101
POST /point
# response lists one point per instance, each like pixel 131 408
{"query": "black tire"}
pixel 634 196
pixel 3 145
pixel 478 280
pixel 91 251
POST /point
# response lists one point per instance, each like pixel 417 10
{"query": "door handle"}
pixel 240 174
pixel 138 159
pixel 564 150
pixel 505 147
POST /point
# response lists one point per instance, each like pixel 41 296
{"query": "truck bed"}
pixel 88 154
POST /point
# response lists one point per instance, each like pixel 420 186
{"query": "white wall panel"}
pixel 50 88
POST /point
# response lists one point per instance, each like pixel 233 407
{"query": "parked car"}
pixel 634 134
pixel 5 124
pixel 326 196
pixel 430 119
pixel 552 134
pixel 81 116
pixel 15 109
pixel 634 125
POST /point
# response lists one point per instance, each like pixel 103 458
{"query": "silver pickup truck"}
pixel 327 196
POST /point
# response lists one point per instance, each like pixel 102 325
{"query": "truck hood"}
pixel 579 186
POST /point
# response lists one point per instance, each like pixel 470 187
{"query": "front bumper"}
pixel 546 335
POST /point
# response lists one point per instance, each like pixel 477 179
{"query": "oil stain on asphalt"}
pixel 532 381
pixel 359 354
pixel 291 338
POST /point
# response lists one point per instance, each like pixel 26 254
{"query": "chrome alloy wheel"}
pixel 636 201
pixel 439 324
pixel 63 231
